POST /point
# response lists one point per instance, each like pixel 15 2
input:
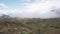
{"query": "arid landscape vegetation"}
pixel 14 25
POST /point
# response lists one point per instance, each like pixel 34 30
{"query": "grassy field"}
pixel 9 25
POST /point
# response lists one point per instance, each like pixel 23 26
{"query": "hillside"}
pixel 9 25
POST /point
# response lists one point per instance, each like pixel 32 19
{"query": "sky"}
pixel 30 8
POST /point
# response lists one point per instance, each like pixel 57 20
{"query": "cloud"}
pixel 34 9
pixel 37 9
pixel 3 9
pixel 42 8
pixel 25 1
pixel 16 12
pixel 20 13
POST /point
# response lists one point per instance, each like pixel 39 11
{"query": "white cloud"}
pixel 15 12
pixel 38 6
pixel 20 13
pixel 3 9
pixel 37 9
pixel 42 8
pixel 25 1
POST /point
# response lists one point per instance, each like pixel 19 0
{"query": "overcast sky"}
pixel 31 8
